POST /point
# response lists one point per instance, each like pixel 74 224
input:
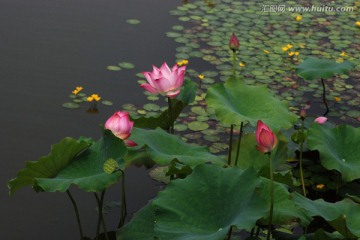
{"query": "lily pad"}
pixel 126 65
pixel 71 105
pixel 133 21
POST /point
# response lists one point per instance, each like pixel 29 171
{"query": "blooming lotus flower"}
pixel 265 138
pixel 234 43
pixel 321 120
pixel 165 80
pixel 120 125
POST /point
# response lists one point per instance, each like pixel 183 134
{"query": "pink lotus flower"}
pixel 120 125
pixel 165 80
pixel 265 138
pixel 321 120
pixel 234 43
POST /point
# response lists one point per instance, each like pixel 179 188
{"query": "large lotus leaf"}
pixel 141 225
pixel 235 102
pixel 249 156
pixel 61 154
pixel 207 203
pixel 285 210
pixel 86 170
pixel 186 96
pixel 313 68
pixel 343 215
pixel 338 147
pixel 162 147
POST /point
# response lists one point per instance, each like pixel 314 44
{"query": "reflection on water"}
pixel 47 48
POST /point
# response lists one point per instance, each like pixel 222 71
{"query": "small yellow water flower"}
pixel 241 64
pixel 284 48
pixel 266 51
pixel 183 62
pixel 93 97
pixel 320 186
pixel 289 46
pixel 343 54
pixel 291 54
pixel 201 77
pixel 77 90
pixel 96 97
pixel 357 23
pixel 337 99
pixel 298 18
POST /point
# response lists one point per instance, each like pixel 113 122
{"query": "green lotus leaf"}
pixel 338 147
pixel 162 147
pixel 313 68
pixel 285 211
pixel 140 227
pixel 186 96
pixel 343 215
pixel 235 102
pixel 207 203
pixel 249 156
pixel 61 155
pixel 87 169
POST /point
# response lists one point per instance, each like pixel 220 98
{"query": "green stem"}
pixel 77 213
pixel 229 233
pixel 123 201
pixel 234 63
pixel 271 198
pixel 238 144
pixel 100 203
pixel 230 143
pixel 171 130
pixel 300 158
pixel 324 97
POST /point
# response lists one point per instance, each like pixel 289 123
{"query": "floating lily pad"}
pixel 198 126
pixel 71 105
pixel 113 68
pixel 127 65
pixel 133 21
pixel 106 102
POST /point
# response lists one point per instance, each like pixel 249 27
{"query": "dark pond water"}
pixel 46 49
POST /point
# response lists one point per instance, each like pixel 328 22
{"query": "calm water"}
pixel 46 49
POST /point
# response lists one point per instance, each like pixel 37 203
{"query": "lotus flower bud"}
pixel 234 43
pixel 265 138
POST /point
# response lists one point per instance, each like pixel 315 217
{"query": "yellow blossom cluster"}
pixel 201 77
pixel 298 18
pixel 357 23
pixel 320 186
pixel 286 47
pixel 93 97
pixel 183 62
pixel 77 90
pixel 242 64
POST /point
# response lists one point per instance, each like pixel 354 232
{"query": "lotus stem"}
pixel 230 143
pixel 268 237
pixel 239 142
pixel 100 203
pixel 324 98
pixel 77 213
pixel 171 129
pixel 229 233
pixel 300 159
pixel 234 63
pixel 123 201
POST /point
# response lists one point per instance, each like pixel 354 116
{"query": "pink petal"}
pixel 149 88
pixel 321 120
pixel 172 94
